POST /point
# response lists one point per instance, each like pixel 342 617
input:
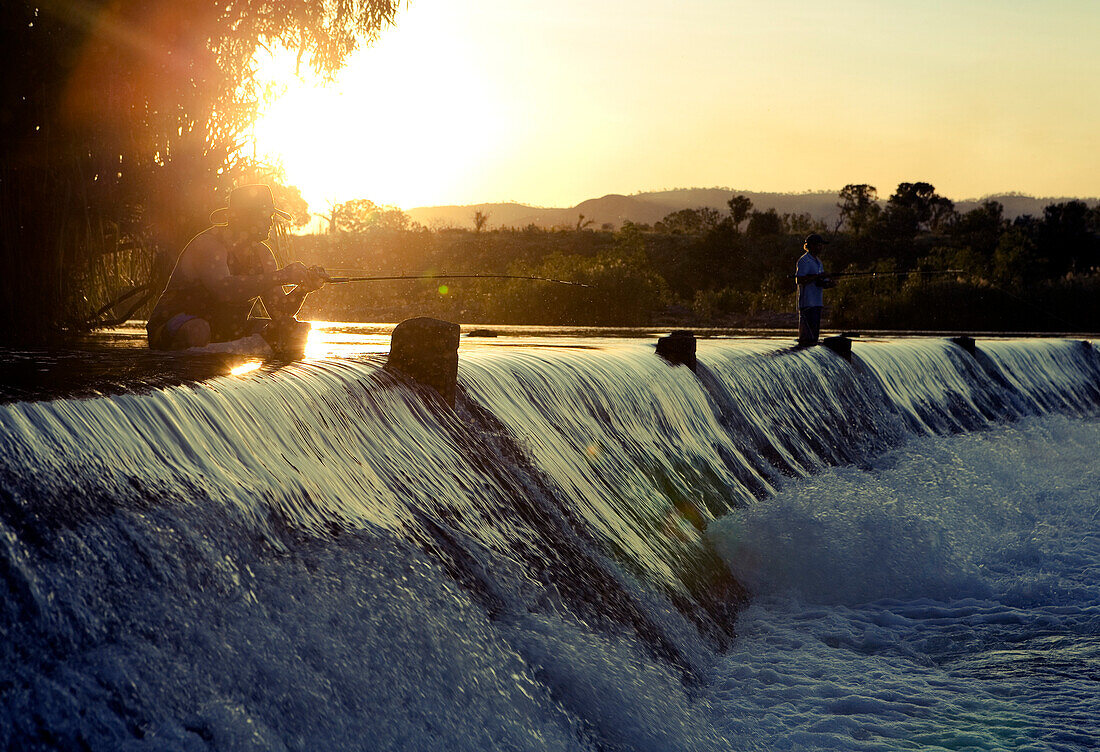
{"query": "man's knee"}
pixel 193 333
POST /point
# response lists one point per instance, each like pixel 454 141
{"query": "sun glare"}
pixel 247 367
pixel 403 123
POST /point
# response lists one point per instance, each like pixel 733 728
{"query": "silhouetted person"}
pixel 811 279
pixel 219 275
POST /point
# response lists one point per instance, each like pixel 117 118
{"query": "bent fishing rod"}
pixel 341 280
pixel 96 320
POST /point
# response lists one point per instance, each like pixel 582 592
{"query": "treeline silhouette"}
pixel 704 267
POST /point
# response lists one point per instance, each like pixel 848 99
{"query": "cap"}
pixel 814 238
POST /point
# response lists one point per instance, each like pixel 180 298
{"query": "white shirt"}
pixel 809 295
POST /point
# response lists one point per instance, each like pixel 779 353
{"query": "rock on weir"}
pixel 678 348
pixel 426 350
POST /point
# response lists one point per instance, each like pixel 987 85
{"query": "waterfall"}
pixel 305 556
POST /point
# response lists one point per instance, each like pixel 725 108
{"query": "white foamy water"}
pixel 946 598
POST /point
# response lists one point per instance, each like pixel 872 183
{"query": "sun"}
pixel 404 123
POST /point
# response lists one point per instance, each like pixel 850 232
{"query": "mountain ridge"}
pixel 648 207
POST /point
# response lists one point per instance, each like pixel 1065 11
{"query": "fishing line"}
pixel 341 280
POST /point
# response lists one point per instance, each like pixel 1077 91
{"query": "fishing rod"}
pixel 851 275
pixel 895 274
pixel 341 280
pixel 97 320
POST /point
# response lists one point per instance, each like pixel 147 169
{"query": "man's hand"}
pixel 294 274
pixel 317 279
pixel 306 279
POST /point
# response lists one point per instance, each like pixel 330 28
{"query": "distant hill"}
pixel 647 208
pixel 1017 205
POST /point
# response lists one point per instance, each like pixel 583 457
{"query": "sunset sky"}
pixel 553 103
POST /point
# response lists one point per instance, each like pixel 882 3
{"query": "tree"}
pixel 480 218
pixel 123 123
pixel 740 206
pixel 763 224
pixel 289 199
pixel 980 229
pixel 1068 238
pixel 360 215
pixel 917 206
pixel 801 223
pixel 942 214
pixel 859 207
pixel 1016 259
pixel 912 209
pixel 689 221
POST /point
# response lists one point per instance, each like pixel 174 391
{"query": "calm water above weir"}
pixel 594 550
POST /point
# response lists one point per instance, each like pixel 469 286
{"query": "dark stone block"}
pixel 678 348
pixel 426 350
pixel 966 343
pixel 840 344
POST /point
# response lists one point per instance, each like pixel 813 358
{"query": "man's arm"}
pixel 807 279
pixel 208 262
pixel 283 305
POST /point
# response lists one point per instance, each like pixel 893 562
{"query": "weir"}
pixel 571 483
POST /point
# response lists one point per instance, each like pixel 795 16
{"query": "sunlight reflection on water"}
pixel 244 368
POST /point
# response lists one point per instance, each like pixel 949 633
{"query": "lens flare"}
pixel 244 368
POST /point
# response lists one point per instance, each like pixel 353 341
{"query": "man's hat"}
pixel 248 198
pixel 813 238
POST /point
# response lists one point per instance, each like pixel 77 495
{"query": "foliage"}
pixel 695 268
pixel 859 207
pixel 764 224
pixel 689 221
pixel 740 206
pixel 1071 233
pixel 122 127
pixel 361 215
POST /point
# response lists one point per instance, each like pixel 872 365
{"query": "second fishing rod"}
pixel 853 275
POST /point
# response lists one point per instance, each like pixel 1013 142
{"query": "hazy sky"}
pixel 552 103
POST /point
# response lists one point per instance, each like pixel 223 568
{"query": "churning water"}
pixel 322 557
pixel 946 597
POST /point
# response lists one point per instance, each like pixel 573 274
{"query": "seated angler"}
pixel 219 275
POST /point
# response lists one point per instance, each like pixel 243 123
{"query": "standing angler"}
pixel 219 275
pixel 811 279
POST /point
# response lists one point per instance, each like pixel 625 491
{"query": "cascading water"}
pixel 322 557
